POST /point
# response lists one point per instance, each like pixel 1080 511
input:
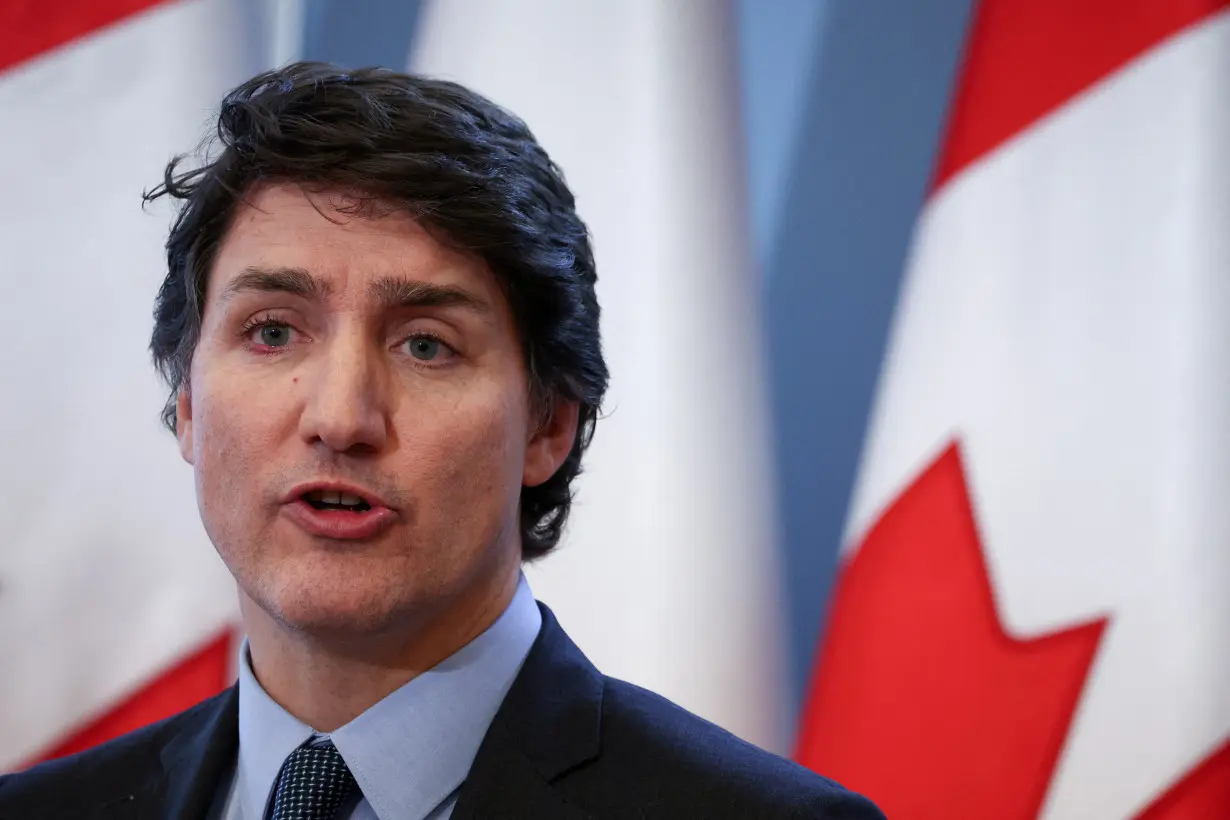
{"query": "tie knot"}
pixel 313 784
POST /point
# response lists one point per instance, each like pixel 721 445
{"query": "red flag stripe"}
pixel 201 675
pixel 1025 58
pixel 30 27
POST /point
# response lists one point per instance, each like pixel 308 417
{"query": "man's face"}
pixel 348 358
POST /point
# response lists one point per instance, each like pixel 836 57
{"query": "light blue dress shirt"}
pixel 410 752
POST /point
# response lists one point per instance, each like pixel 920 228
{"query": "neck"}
pixel 326 681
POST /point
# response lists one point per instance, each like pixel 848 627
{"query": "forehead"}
pixel 283 226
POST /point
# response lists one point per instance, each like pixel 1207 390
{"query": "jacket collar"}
pixel 549 724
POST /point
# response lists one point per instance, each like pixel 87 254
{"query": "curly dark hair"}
pixel 465 168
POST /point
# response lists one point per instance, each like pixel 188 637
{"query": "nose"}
pixel 345 408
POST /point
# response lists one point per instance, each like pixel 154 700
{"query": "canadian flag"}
pixel 1033 614
pixel 114 608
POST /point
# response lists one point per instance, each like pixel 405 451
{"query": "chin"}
pixel 333 605
pixel 332 618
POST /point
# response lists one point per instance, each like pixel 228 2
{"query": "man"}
pixel 380 331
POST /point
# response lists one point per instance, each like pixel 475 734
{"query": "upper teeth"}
pixel 330 497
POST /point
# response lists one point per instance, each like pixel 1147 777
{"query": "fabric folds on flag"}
pixel 114 608
pixel 1031 615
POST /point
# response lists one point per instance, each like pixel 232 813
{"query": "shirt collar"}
pixel 413 749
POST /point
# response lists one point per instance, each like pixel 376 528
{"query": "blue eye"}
pixel 275 335
pixel 424 348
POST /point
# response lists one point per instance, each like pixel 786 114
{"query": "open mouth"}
pixel 329 500
pixel 338 513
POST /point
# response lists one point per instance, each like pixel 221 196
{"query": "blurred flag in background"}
pixel 1032 616
pixel 114 609
pixel 667 574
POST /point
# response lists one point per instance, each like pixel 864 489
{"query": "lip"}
pixel 299 490
pixel 340 525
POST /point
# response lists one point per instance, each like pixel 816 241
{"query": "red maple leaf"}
pixel 1202 794
pixel 923 702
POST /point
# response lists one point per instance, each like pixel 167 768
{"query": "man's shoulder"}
pixel 689 762
pixel 111 771
pixel 612 749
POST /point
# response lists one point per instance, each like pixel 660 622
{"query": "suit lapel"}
pixel 511 788
pixel 191 765
pixel 196 760
pixel 548 724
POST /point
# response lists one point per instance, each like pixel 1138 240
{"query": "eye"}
pixel 425 348
pixel 273 334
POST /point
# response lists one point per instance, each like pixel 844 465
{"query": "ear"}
pixel 183 423
pixel 550 442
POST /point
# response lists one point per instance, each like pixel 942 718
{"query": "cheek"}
pixel 470 456
pixel 233 435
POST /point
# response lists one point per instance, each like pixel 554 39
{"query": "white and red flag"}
pixel 114 608
pixel 1032 617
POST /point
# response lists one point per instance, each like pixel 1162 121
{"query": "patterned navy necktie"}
pixel 313 784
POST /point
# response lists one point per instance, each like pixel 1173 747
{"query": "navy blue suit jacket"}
pixel 566 744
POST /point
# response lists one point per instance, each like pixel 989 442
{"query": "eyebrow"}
pixel 388 292
pixel 295 281
pixel 391 293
